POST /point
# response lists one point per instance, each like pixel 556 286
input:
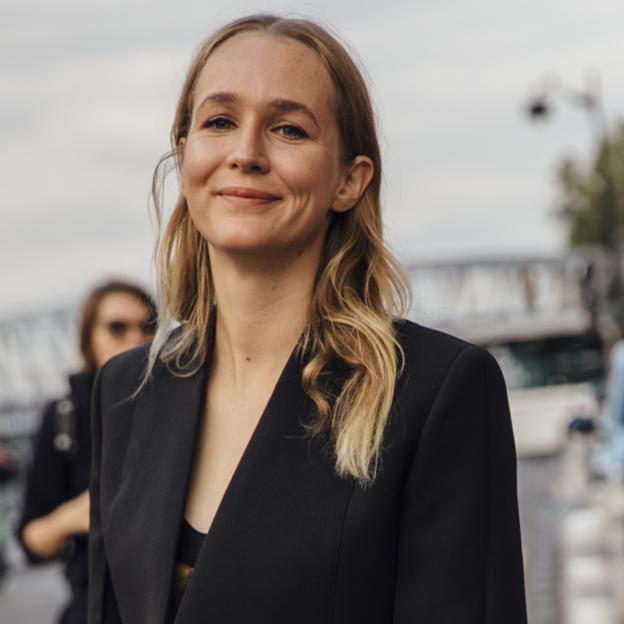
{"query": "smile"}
pixel 246 196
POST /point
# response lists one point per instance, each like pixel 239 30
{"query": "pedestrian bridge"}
pixel 38 349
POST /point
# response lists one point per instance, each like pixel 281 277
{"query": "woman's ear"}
pixel 180 150
pixel 355 181
pixel 180 157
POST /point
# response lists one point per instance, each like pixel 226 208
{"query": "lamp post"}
pixel 540 108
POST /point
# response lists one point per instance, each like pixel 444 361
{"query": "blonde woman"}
pixel 295 452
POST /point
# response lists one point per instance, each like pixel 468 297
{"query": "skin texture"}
pixel 46 535
pixel 243 139
pixel 264 252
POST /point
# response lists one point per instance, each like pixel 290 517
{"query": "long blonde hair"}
pixel 360 288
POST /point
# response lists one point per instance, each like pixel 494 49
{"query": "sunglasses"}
pixel 118 329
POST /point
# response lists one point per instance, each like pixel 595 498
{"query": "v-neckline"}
pixel 290 371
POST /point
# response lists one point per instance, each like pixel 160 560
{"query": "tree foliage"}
pixel 591 195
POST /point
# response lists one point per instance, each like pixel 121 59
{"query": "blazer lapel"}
pixel 273 494
pixel 148 510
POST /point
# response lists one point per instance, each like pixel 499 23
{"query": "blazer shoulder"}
pixel 123 372
pixel 114 402
pixel 417 339
pixel 122 375
pixel 431 354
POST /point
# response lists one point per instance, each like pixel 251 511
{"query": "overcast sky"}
pixel 89 90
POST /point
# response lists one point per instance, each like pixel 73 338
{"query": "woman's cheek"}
pixel 304 176
pixel 200 160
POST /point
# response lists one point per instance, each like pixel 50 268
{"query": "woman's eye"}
pixel 219 123
pixel 291 132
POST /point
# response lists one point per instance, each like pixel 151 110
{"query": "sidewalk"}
pixel 32 595
pixel 592 543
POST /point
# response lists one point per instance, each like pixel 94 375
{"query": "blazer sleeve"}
pixel 459 547
pixel 102 604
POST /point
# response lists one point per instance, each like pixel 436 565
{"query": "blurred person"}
pixel 116 316
pixel 8 468
pixel 8 471
pixel 295 451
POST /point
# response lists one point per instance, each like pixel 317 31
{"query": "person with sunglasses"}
pixel 116 316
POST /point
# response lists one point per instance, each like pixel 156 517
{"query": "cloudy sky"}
pixel 89 90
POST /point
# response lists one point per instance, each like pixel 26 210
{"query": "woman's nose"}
pixel 135 337
pixel 248 153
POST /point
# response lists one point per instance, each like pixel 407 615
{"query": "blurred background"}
pixel 503 135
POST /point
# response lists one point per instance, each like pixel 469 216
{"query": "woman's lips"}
pixel 246 196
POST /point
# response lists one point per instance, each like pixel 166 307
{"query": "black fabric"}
pixel 436 539
pixel 191 541
pixel 55 477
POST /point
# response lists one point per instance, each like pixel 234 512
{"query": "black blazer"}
pixel 436 540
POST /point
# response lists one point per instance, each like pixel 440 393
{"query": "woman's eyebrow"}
pixel 285 106
pixel 280 104
pixel 220 97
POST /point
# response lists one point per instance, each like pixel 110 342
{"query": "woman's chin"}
pixel 264 243
pixel 247 246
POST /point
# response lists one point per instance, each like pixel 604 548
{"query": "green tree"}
pixel 591 195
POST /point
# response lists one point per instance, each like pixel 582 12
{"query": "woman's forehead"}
pixel 261 67
pixel 120 302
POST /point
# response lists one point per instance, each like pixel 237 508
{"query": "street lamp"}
pixel 540 108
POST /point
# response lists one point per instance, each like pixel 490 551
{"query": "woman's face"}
pixel 120 324
pixel 261 167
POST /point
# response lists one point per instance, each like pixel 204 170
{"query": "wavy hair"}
pixel 360 287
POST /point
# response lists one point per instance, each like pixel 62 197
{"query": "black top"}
pixel 59 472
pixel 190 542
pixel 435 539
pixel 189 545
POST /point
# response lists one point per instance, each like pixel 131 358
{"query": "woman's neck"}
pixel 261 313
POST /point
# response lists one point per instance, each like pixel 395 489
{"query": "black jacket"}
pixel 57 475
pixel 436 540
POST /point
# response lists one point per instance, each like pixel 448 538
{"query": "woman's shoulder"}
pixel 120 381
pixel 417 338
pixel 125 368
pixel 410 327
pixel 447 380
pixel 124 373
pixel 436 351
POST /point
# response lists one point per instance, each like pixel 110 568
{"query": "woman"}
pixel 55 517
pixel 294 451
